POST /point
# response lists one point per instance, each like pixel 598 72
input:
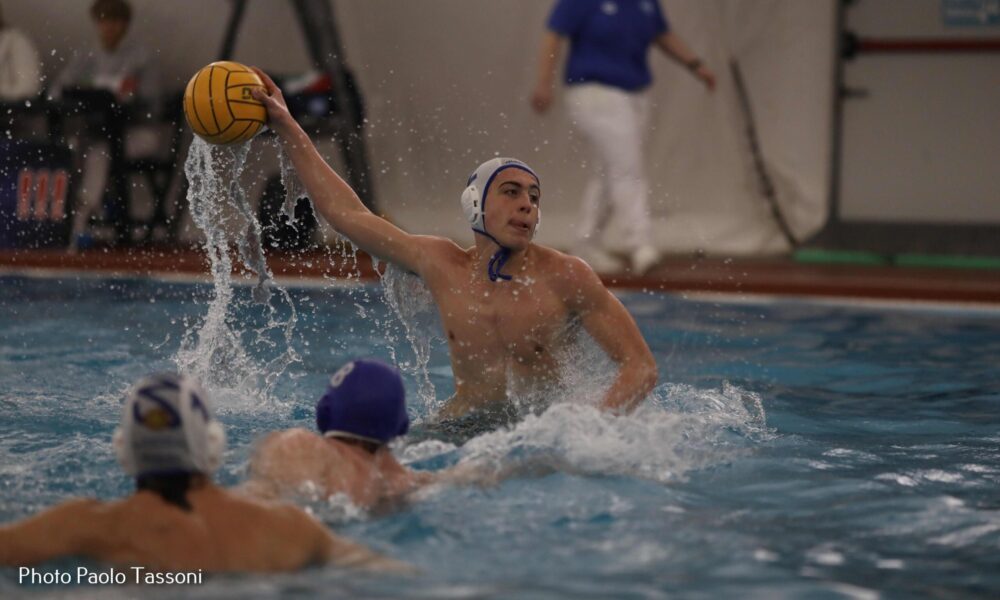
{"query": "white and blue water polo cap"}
pixel 167 428
pixel 474 206
pixel 474 196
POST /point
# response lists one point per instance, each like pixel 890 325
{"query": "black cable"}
pixel 763 176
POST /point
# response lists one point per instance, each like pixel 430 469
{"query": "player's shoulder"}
pixel 143 507
pixel 439 251
pixel 278 513
pixel 441 245
pixel 437 243
pixel 291 440
pixel 82 508
pixel 572 279
pixel 294 434
pixel 564 267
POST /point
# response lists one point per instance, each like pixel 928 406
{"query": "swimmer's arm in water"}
pixel 323 547
pixel 610 324
pixel 334 198
pixel 488 473
pixel 333 549
pixel 60 531
pixel 480 473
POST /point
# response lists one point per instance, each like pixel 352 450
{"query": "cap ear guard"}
pixel 125 457
pixel 472 205
pixel 215 446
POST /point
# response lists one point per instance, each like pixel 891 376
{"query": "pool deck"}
pixel 675 274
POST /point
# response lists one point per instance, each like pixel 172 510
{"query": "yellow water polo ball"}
pixel 218 105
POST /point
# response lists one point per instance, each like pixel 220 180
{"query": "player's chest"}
pixel 509 316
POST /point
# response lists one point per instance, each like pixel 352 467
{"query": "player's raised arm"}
pixel 332 196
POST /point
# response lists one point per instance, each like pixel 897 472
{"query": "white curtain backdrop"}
pixel 447 85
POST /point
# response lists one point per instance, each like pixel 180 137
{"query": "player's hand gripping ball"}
pixel 219 107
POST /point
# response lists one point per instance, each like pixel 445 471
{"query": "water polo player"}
pixel 362 410
pixel 506 303
pixel 178 520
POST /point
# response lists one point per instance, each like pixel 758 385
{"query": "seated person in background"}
pixel 116 86
pixel 363 409
pixel 119 65
pixel 20 69
pixel 178 520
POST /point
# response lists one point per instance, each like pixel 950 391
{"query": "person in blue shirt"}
pixel 607 76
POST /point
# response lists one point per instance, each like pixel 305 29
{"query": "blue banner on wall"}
pixel 970 13
pixel 34 195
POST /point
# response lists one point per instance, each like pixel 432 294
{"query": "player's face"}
pixel 111 32
pixel 512 207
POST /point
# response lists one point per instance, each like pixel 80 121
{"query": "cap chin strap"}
pixel 499 259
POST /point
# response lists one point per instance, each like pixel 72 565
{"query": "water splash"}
pixel 586 373
pixel 222 351
pixel 411 302
pixel 680 429
pixel 294 190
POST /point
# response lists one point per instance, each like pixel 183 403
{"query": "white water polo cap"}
pixel 474 207
pixel 167 428
pixel 474 196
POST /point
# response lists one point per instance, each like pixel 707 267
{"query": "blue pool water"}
pixel 792 449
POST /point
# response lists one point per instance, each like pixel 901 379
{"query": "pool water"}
pixel 791 449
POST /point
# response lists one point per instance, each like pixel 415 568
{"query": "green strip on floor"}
pixel 842 257
pixel 857 257
pixel 952 262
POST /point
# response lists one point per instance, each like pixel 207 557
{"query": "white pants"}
pixel 139 142
pixel 613 122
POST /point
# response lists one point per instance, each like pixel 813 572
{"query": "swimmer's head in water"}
pixel 167 428
pixel 474 205
pixel 365 401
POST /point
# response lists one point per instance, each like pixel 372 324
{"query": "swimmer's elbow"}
pixel 643 365
pixel 642 375
pixel 646 374
pixel 649 374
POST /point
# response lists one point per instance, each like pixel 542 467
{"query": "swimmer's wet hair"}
pixel 172 488
pixel 112 10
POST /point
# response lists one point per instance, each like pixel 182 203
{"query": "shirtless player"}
pixel 506 303
pixel 362 410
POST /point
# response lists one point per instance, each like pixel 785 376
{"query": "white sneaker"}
pixel 644 258
pixel 599 259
